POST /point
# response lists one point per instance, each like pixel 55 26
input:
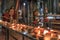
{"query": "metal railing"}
pixel 17 35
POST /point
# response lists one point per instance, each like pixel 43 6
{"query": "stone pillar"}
pixel 38 3
pixel 28 13
pixel 55 6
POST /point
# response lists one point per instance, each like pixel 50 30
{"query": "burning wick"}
pixel 51 30
pixel 13 26
pixel 38 32
pixel 38 26
pixel 17 24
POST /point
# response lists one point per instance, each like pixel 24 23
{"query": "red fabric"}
pixel 46 20
pixel 35 22
pixel 5 17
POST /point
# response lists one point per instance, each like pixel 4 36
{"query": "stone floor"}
pixel 2 36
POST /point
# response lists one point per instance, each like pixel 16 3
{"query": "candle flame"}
pixel 45 31
pixel 0 20
pixel 38 32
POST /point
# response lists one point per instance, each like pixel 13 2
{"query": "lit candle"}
pixel 13 26
pixel 23 25
pixel 18 25
pixel 0 21
pixel 45 31
pixel 5 23
pixel 38 26
pixel 51 30
pixel 39 32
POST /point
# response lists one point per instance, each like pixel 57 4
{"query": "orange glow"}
pixel 0 20
pixel 18 25
pixel 13 26
pixel 38 31
pixel 51 30
pixel 38 26
pixel 45 31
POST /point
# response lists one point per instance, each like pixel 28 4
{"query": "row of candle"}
pixel 34 31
